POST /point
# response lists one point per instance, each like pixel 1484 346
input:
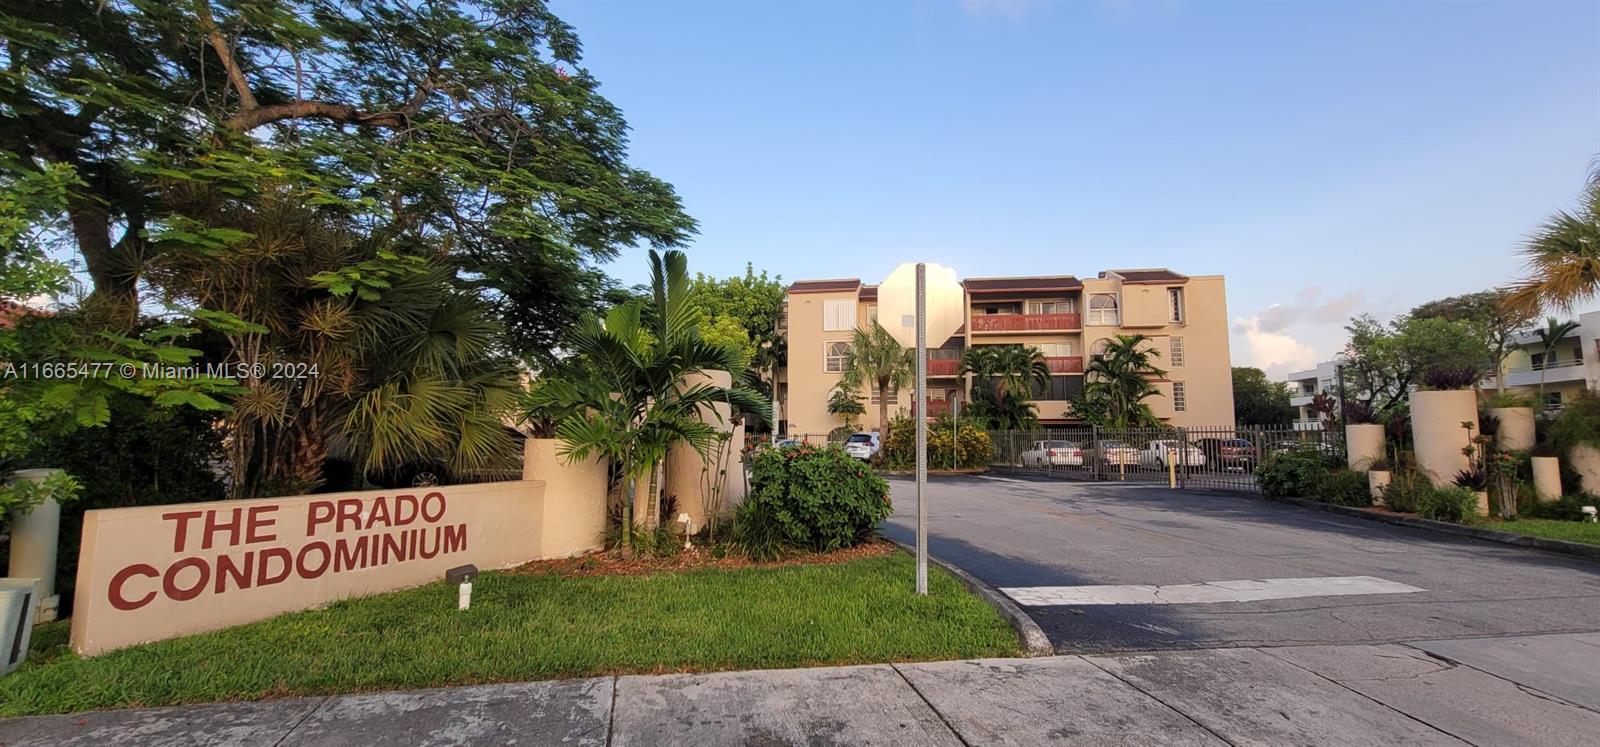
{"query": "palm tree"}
pixel 1549 337
pixel 876 359
pixel 628 403
pixel 1004 379
pixel 1563 258
pixel 1117 382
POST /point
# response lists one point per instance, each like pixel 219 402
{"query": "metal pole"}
pixel 955 433
pixel 922 429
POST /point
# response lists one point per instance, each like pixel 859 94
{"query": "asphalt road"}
pixel 1028 532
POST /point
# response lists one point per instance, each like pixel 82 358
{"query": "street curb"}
pixel 1590 552
pixel 967 472
pixel 1034 641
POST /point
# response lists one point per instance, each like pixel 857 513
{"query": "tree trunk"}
pixel 883 408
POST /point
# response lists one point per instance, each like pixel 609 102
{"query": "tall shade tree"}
pixel 466 127
pixel 1383 363
pixel 1497 319
pixel 1258 400
pixel 877 360
pixel 1562 258
pixel 627 402
pixel 1117 382
pixel 1550 337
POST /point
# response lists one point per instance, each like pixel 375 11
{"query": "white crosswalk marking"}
pixel 1247 590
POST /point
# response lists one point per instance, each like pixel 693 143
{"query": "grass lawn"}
pixel 1571 531
pixel 534 626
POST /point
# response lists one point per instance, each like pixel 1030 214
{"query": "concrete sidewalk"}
pixel 1489 691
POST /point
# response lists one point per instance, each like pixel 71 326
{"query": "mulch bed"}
pixel 612 563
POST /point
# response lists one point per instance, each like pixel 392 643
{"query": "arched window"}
pixel 1098 349
pixel 1103 310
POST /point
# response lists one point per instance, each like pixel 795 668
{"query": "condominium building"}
pixel 1185 318
pixel 1305 386
pixel 1557 374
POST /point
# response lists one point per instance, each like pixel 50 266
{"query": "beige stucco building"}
pixel 1066 318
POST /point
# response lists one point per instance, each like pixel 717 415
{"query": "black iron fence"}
pixel 1219 457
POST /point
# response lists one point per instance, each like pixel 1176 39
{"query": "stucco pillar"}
pixel 1516 431
pixel 1585 460
pixel 1363 444
pixel 572 513
pixel 34 537
pixel 1547 478
pixel 1436 418
pixel 690 478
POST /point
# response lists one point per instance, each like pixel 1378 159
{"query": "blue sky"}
pixel 1327 158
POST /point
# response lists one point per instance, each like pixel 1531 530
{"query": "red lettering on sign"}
pixel 180 533
pixel 348 554
pixel 319 512
pixel 169 580
pixel 455 538
pixel 137 569
pixel 349 510
pixel 307 571
pixel 212 527
pixel 258 524
pixel 422 543
pixel 227 569
pixel 406 509
pixel 436 501
pixel 265 577
pixel 380 508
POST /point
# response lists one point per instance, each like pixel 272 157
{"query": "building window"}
pixel 1552 400
pixel 1103 310
pixel 1538 361
pixel 1052 307
pixel 894 395
pixel 1098 349
pixel 833 355
pixel 1180 397
pixel 1055 349
pixel 872 315
pixel 839 315
pixel 1175 304
pixel 1175 354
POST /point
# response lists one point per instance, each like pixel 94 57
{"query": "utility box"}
pixel 17 606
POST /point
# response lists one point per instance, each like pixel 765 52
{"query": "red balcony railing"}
pixel 943 366
pixel 1065 364
pixel 936 407
pixel 1025 322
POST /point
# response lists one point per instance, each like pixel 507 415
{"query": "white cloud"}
pixel 1273 351
pixel 1311 307
pixel 1010 10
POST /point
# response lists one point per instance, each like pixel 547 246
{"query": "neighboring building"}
pixel 1304 386
pixel 1572 366
pixel 1065 317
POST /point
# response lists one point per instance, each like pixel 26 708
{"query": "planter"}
pixel 1585 460
pixel 1547 478
pixel 34 536
pixel 1436 418
pixel 1377 481
pixel 573 519
pixel 1363 444
pixel 1516 428
pixel 1483 502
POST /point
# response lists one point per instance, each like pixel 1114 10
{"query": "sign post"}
pixel 919 301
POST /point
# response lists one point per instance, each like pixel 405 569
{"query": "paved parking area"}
pixel 1023 533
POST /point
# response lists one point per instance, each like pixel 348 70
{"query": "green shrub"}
pixel 1449 503
pixel 812 498
pixel 1566 508
pixel 1293 473
pixel 973 447
pixel 1578 423
pixel 1405 490
pixel 1343 487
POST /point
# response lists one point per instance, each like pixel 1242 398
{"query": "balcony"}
pixel 1065 364
pixel 936 407
pixel 1552 373
pixel 943 366
pixel 988 323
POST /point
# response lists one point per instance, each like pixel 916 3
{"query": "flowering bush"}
pixel 809 497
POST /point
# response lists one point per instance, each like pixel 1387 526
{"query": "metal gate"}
pixel 1220 457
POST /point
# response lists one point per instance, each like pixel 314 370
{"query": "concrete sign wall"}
pixel 157 572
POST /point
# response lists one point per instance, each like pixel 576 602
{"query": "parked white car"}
pixel 1054 453
pixel 1159 454
pixel 863 446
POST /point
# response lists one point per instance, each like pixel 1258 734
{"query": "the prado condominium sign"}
pixel 156 572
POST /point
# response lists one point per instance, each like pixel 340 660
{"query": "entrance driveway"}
pixel 1020 532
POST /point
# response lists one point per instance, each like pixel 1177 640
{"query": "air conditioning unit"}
pixel 16 620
